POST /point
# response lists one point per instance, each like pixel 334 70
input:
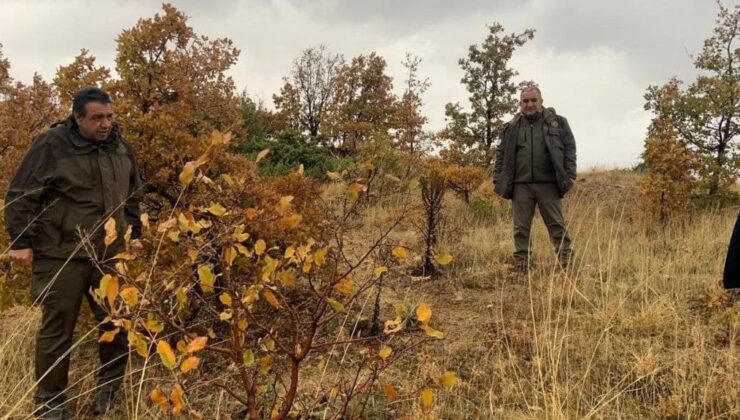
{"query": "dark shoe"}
pixel 56 412
pixel 104 400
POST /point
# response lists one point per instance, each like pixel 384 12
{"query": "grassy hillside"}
pixel 639 328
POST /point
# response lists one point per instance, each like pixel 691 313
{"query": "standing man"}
pixel 535 167
pixel 75 177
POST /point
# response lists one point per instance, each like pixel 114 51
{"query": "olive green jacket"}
pixel 65 190
pixel 559 142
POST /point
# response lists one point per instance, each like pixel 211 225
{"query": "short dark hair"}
pixel 86 95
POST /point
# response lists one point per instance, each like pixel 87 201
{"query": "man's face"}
pixel 97 122
pixel 530 102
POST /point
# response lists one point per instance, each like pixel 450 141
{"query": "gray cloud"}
pixel 593 58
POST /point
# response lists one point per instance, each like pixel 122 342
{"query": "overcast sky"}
pixel 593 59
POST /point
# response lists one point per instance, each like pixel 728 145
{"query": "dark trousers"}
pixel 546 197
pixel 59 287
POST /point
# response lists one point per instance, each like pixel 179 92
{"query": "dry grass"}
pixel 640 327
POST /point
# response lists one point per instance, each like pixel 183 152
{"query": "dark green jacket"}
pixel 559 142
pixel 533 161
pixel 66 188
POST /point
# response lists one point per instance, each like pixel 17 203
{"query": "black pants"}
pixel 59 288
pixel 731 278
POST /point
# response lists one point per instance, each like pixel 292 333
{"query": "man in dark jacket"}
pixel 731 275
pixel 75 177
pixel 535 167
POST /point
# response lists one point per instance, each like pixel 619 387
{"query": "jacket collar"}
pixel 86 145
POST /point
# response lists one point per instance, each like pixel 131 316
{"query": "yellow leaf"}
pixel 264 364
pixel 189 364
pixel 290 222
pixel 261 155
pixel 243 324
pixel 181 346
pixel 127 235
pixel 198 344
pixel 166 354
pixel 427 397
pixel 286 277
pixel 284 204
pixel 239 235
pixel 335 305
pixel 243 250
pixel 216 209
pixel 423 313
pixel 320 256
pixel 166 225
pixel 153 326
pixel 130 295
pixel 207 278
pixel 144 220
pixel 379 271
pixel 385 352
pixel 111 290
pixel 125 256
pixel 109 336
pixel 248 358
pixel 259 247
pixel 271 299
pixel 345 287
pixel 178 403
pixel 110 231
pixel 443 259
pixel 228 179
pixel 188 172
pixel 392 326
pixel 390 391
pixel 448 379
pixel 230 255
pixel 225 298
pixel 399 252
pixel 225 315
pixel 334 176
pixel 136 341
pixel 432 332
pixel 160 399
pixel 174 236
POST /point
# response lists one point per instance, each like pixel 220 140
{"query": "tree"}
pixel 704 116
pixel 488 79
pixel 409 116
pixel 364 104
pixel 173 91
pixel 81 73
pixel 304 99
pixel 669 181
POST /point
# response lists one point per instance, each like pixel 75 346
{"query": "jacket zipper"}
pixel 531 148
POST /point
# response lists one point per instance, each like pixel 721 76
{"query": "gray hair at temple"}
pixel 527 88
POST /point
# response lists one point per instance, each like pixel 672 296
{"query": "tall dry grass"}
pixel 638 327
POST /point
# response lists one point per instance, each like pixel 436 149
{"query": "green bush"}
pixel 290 150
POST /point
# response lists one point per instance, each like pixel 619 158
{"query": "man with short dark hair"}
pixel 74 178
pixel 535 167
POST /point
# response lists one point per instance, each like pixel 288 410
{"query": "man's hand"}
pixel 24 256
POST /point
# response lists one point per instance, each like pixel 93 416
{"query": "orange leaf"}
pixel 198 344
pixel 271 299
pixel 390 391
pixel 189 364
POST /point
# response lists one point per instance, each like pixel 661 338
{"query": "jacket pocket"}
pixel 42 274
